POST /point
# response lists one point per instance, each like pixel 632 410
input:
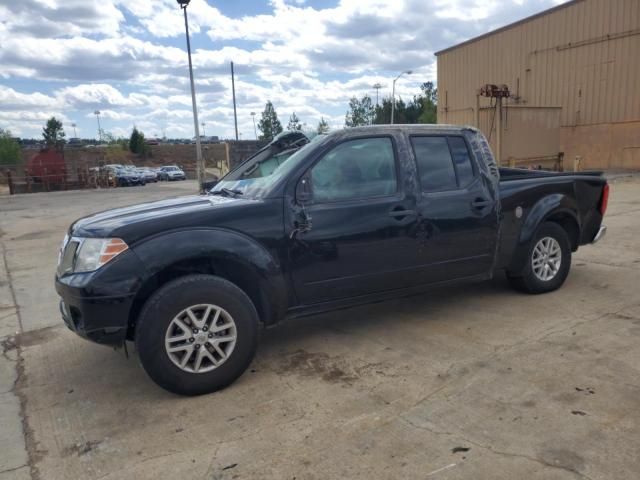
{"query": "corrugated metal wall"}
pixel 583 57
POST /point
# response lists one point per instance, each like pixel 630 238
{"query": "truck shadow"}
pixel 425 307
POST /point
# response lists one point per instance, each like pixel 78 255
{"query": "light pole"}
pixel 97 114
pixel 377 86
pixel 393 94
pixel 255 132
pixel 200 163
pixel 233 91
pixel 75 135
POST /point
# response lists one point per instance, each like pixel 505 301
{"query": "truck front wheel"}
pixel 197 334
pixel 548 261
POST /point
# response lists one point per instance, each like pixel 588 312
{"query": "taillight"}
pixel 604 201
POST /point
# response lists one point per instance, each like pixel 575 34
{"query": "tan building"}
pixel 573 73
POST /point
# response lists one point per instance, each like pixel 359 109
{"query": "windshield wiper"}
pixel 227 192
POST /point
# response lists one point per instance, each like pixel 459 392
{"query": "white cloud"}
pixel 127 58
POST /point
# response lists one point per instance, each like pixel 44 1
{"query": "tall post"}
pixel 477 111
pixel 393 93
pixel 199 159
pixel 499 130
pixel 233 90
pixel 393 100
pixel 97 113
pixel 255 132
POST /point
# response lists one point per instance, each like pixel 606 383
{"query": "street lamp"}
pixel 200 162
pixel 393 94
pixel 255 132
pixel 97 114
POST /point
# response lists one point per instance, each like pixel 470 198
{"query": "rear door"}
pixel 458 213
pixel 360 240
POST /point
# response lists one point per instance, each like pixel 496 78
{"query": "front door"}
pixel 359 236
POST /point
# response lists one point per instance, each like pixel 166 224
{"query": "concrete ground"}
pixel 470 382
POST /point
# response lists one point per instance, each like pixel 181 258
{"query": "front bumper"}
pixel 97 305
pixel 602 231
pixel 97 319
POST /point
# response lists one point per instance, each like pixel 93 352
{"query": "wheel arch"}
pixel 229 255
pixel 557 208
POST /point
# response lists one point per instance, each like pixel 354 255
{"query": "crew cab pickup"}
pixel 358 215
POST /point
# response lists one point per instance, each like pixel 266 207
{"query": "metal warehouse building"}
pixel 564 83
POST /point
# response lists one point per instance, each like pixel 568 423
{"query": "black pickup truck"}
pixel 356 216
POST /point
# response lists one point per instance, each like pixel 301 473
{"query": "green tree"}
pixel 53 133
pixel 361 112
pixel 294 123
pixel 323 126
pixel 9 149
pixel 137 143
pixel 429 102
pixel 423 108
pixel 269 124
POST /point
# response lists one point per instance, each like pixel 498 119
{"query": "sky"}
pixel 128 59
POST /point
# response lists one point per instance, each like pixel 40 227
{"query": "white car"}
pixel 171 172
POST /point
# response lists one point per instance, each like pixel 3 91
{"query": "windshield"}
pixel 254 178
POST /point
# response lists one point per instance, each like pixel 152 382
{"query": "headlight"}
pixel 95 252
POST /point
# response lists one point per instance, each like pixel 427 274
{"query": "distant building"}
pixel 573 73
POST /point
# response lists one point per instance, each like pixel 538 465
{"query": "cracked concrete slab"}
pixel 475 381
pixel 14 454
pixel 22 473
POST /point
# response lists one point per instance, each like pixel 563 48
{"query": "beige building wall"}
pixel 577 65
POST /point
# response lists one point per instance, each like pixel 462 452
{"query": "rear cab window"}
pixel 443 162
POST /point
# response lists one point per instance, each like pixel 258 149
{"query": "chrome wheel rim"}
pixel 546 258
pixel 200 338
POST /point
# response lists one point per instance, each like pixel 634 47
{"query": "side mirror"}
pixel 303 190
pixel 210 184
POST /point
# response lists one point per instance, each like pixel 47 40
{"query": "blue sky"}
pixel 127 58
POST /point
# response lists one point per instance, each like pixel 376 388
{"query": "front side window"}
pixel 355 169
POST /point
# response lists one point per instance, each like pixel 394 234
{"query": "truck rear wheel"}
pixel 197 334
pixel 548 261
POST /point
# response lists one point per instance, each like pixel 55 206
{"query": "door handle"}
pixel 480 203
pixel 401 213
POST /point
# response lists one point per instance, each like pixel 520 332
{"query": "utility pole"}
pixel 233 89
pixel 255 132
pixel 200 161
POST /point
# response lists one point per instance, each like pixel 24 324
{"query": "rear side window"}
pixel 461 160
pixel 443 163
pixel 435 166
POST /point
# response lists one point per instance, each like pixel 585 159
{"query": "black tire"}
pixel 526 280
pixel 172 298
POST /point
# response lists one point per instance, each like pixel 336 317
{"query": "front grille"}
pixel 68 256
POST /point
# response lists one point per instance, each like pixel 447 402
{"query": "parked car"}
pixel 126 177
pixel 170 173
pixel 356 216
pixel 148 174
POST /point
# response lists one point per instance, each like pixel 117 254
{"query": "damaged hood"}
pixel 136 221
